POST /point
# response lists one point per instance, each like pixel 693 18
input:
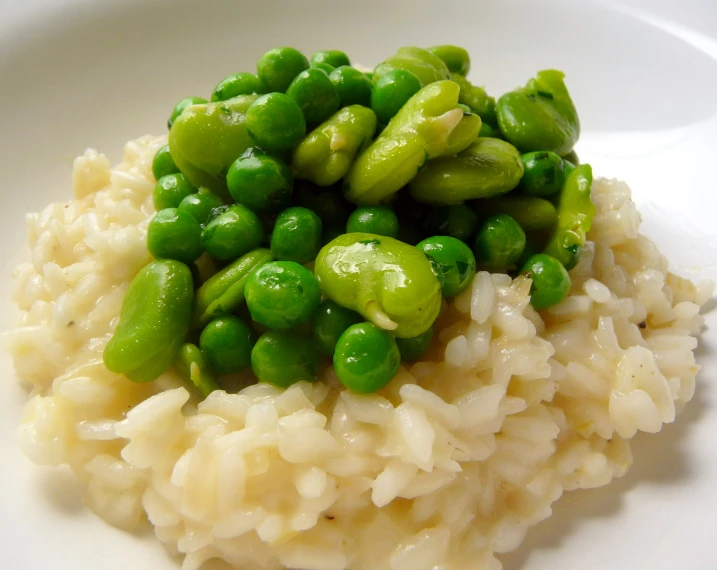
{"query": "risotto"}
pixel 531 384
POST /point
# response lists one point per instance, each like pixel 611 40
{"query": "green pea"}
pixel 328 203
pixel 183 104
pixel 237 84
pixel 390 283
pixel 315 94
pixel 206 139
pixel 170 190
pixel 366 358
pixel 456 58
pixel 488 167
pixel 378 220
pixel 226 343
pixel 259 181
pixel 283 358
pixel 452 260
pixel 427 126
pixel 540 116
pixel 544 173
pixel 174 234
pixel 333 57
pixel 278 67
pixel 329 322
pixel 500 242
pixel 532 214
pixel 477 99
pixel 391 92
pixel 163 163
pixel 282 294
pixel 275 122
pixel 415 347
pixel 425 65
pixel 200 204
pixel 324 67
pixel 297 235
pixel 223 292
pixel 353 87
pixel 326 154
pixel 155 317
pixel 233 233
pixel 551 282
pixel 456 220
pixel 193 367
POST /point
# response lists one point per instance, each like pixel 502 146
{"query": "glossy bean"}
pixel 456 58
pixel 477 99
pixel 427 66
pixel 193 367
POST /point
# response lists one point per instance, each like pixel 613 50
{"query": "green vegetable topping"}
pixel 282 295
pixel 366 358
pixel 170 190
pixel 237 84
pixel 181 106
pixel 163 163
pixel 233 233
pixel 259 181
pixel 456 58
pixel 329 323
pixel 278 67
pixel 283 358
pixel 297 235
pixel 332 57
pixel 315 94
pixel 500 242
pixel 174 234
pixel 453 262
pixel 353 87
pixel 275 122
pixel 193 367
pixel 544 174
pixel 456 220
pixel 377 220
pixel 551 282
pixel 226 343
pixel 391 92
pixel 200 205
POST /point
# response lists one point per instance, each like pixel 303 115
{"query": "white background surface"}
pixel 78 73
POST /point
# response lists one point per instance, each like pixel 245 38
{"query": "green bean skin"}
pixel 533 214
pixel 540 116
pixel 206 139
pixel 154 320
pixel 326 154
pixel 488 167
pixel 390 283
pixel 223 293
pixel 456 58
pixel 477 99
pixel 427 126
pixel 193 368
pixel 575 217
pixel 425 65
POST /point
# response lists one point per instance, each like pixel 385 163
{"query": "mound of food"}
pixel 390 343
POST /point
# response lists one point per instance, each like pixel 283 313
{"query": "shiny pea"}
pixel 333 57
pixel 315 94
pixel 543 174
pixel 391 92
pixel 283 358
pixel 282 294
pixel 378 220
pixel 237 84
pixel 260 181
pixel 551 282
pixel 456 58
pixel 275 122
pixel 296 235
pixel 500 242
pixel 277 68
pixel 453 262
pixel 170 190
pixel 163 163
pixel 200 204
pixel 353 87
pixel 174 234
pixel 415 347
pixel 366 358
pixel 233 233
pixel 226 343
pixel 183 104
pixel 324 66
pixel 329 322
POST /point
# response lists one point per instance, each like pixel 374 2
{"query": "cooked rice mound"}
pixel 446 467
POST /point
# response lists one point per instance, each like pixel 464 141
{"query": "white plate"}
pixel 78 73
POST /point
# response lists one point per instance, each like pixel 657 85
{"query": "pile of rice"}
pixel 445 468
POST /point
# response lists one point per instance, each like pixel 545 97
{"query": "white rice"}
pixel 445 468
